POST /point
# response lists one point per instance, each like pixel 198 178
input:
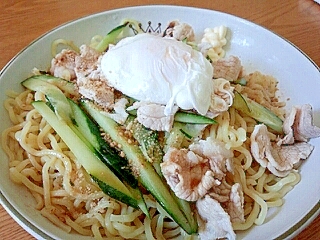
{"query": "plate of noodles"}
pixel 241 79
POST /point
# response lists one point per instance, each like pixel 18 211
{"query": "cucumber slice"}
pixel 69 88
pixel 106 179
pixel 54 95
pixel 187 117
pixel 86 127
pixel 110 37
pixel 148 141
pixel 258 112
pixel 182 134
pixel 152 150
pixel 176 137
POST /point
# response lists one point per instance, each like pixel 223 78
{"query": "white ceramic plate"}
pixel 258 48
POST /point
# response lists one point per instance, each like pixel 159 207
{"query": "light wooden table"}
pixel 23 21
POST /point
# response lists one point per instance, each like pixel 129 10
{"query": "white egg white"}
pixel 160 70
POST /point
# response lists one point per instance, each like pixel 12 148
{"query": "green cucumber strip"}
pixel 193 130
pixel 110 37
pixel 149 142
pixel 187 210
pixel 68 88
pixel 89 133
pixel 147 175
pixel 88 159
pixel 54 95
pixel 187 117
pixel 152 150
pixel 56 98
pixel 176 137
pixel 90 130
pixel 181 134
pixel 258 112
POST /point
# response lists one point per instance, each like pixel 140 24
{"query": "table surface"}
pixel 23 21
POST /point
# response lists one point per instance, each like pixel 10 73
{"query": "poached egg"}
pixel 160 70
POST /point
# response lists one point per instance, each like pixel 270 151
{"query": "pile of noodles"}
pixel 66 195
